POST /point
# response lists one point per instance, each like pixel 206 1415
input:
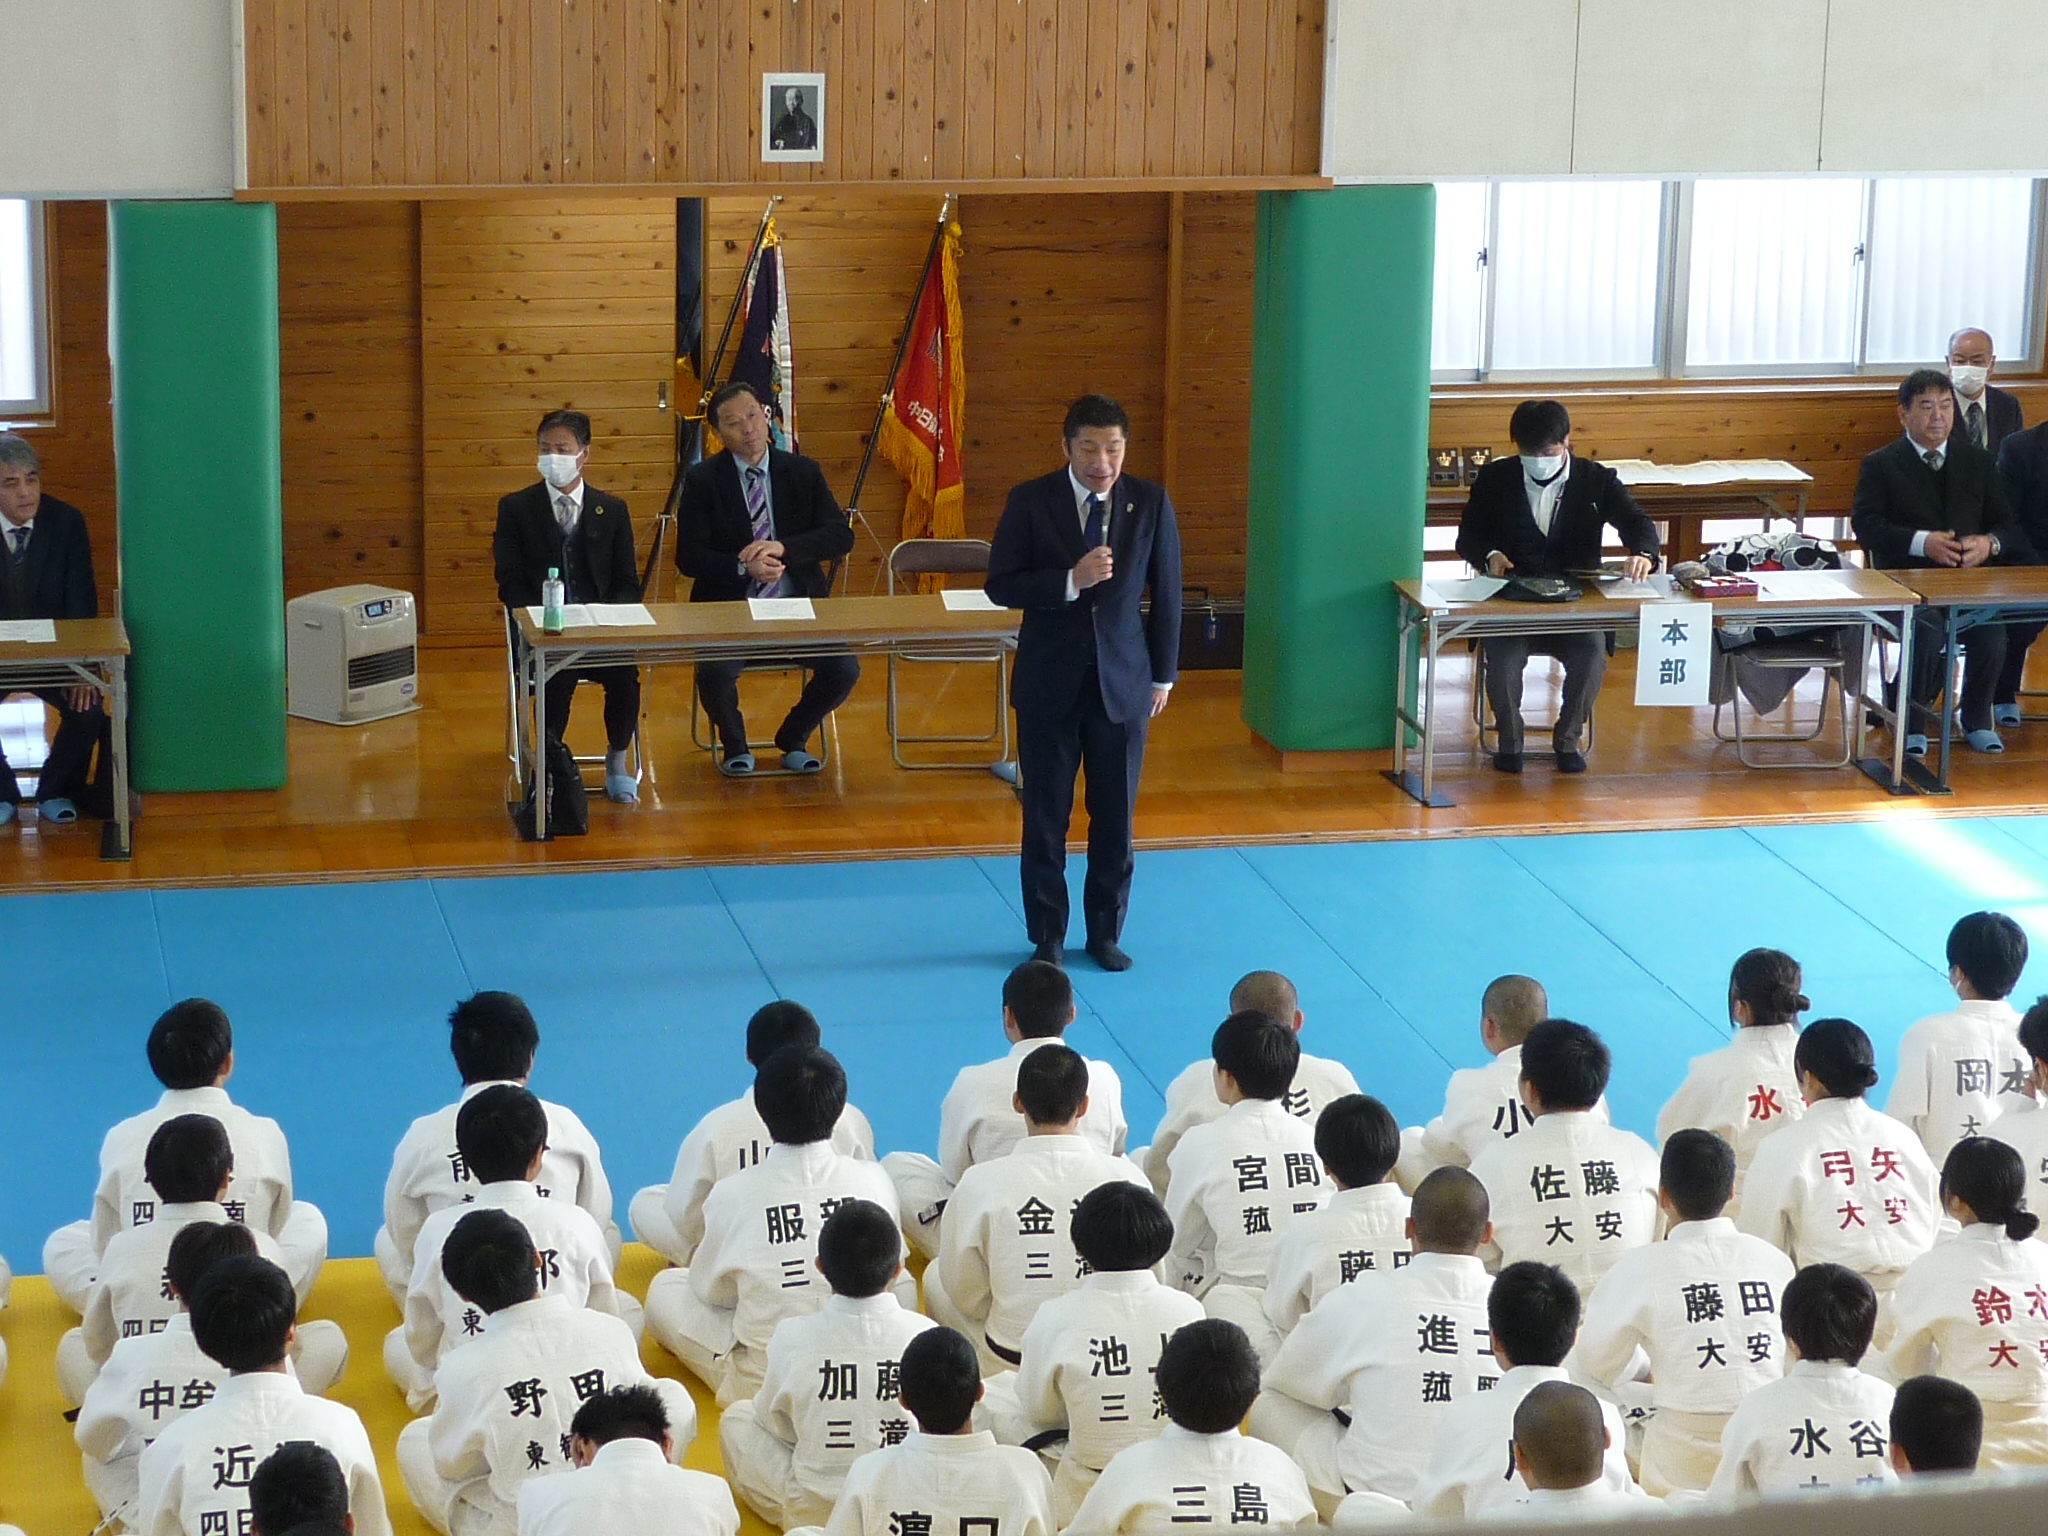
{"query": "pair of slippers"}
pixel 57 811
pixel 1978 741
pixel 741 764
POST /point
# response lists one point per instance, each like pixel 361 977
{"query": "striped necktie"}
pixel 20 538
pixel 757 516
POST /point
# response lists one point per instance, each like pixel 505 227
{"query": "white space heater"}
pixel 352 655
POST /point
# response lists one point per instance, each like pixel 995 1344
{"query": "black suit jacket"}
pixel 712 526
pixel 529 541
pixel 2002 418
pixel 57 570
pixel 1897 496
pixel 2023 466
pixel 1037 544
pixel 1497 517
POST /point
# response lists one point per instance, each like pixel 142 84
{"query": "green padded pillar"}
pixel 193 321
pixel 1339 443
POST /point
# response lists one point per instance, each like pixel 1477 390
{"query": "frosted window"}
pixel 1575 276
pixel 20 351
pixel 1776 274
pixel 1458 309
pixel 1945 254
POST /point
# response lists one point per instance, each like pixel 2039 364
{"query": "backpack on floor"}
pixel 568 802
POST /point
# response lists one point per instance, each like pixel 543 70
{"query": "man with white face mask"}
pixel 1985 415
pixel 563 524
pixel 1544 513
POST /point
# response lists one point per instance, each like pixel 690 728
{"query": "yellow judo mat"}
pixel 40 1487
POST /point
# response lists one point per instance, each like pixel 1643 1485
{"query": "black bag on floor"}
pixel 568 804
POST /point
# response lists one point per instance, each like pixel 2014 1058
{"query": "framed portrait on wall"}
pixel 792 118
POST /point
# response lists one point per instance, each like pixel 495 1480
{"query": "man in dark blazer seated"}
pixel 1545 513
pixel 563 523
pixel 46 573
pixel 1985 414
pixel 757 522
pixel 1076 550
pixel 2023 466
pixel 1931 499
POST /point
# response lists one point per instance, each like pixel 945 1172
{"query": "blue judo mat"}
pixel 642 981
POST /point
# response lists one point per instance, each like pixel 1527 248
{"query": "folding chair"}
pixel 947 557
pixel 1482 713
pixel 1819 653
pixel 643 764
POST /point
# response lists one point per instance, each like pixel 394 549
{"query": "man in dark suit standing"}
pixel 757 522
pixel 564 524
pixel 1545 512
pixel 1985 415
pixel 1076 550
pixel 1933 499
pixel 46 573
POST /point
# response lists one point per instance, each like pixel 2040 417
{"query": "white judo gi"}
pixel 1360 1232
pixel 943 1485
pixel 1958 1072
pixel 1191 1101
pixel 1179 1480
pixel 1822 1427
pixel 1742 1092
pixel 1573 1191
pixel 1471 1467
pixel 629 1488
pixel 1482 1107
pixel 147 1385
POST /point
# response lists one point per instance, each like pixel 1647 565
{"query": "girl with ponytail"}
pixel 1975 1309
pixel 1747 1089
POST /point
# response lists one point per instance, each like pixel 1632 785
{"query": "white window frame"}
pixel 1675 286
pixel 38 408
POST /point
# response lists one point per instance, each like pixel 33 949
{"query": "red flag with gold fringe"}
pixel 921 429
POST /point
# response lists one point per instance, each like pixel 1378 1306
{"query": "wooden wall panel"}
pixel 360 94
pixel 77 445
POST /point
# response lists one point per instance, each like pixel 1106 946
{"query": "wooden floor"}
pixel 425 793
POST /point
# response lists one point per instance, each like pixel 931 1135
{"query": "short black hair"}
pixel 941 1378
pixel 1094 411
pixel 730 391
pixel 1357 1139
pixel 1208 1376
pixel 188 1159
pixel 859 1249
pixel 1539 424
pixel 778 1024
pixel 1698 1173
pixel 1533 1311
pixel 1450 1210
pixel 1052 1081
pixel 189 1044
pixel 1566 1064
pixel 1040 997
pixel 198 1246
pixel 1990 949
pixel 2034 1030
pixel 1830 1312
pixel 296 1484
pixel 622 1413
pixel 242 1312
pixel 489 1260
pixel 1937 1424
pixel 1768 981
pixel 1120 1227
pixel 800 1093
pixel 577 423
pixel 493 1037
pixel 1991 1179
pixel 1560 1429
pixel 1260 1053
pixel 499 1132
pixel 1923 381
pixel 1839 1054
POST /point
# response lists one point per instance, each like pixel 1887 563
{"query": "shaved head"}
pixel 1516 1005
pixel 1450 1212
pixel 1970 339
pixel 1560 1439
pixel 1266 992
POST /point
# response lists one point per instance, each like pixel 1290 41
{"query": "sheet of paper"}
pixel 617 615
pixel 574 616
pixel 1475 589
pixel 1789 586
pixel 781 608
pixel 29 631
pixel 1650 590
pixel 975 601
pixel 1709 472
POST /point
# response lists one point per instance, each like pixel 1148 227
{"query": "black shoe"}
pixel 1507 762
pixel 1571 762
pixel 1052 952
pixel 1105 954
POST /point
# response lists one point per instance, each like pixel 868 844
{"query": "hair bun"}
pixel 2021 1225
pixel 1868 1076
pixel 1801 1002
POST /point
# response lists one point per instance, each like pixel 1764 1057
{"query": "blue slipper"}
pixel 1916 744
pixel 801 761
pixel 621 789
pixel 7 812
pixel 2006 714
pixel 1984 741
pixel 58 811
pixel 738 766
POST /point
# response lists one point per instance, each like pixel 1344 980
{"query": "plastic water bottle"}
pixel 551 602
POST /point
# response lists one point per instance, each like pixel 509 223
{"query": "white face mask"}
pixel 561 470
pixel 1542 467
pixel 1968 378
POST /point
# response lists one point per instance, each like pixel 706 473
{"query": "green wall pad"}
pixel 193 317
pixel 1340 435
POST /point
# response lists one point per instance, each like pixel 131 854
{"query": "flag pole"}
pixel 867 458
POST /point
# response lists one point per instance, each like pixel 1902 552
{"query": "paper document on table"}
pixel 1793 586
pixel 574 616
pixel 1649 590
pixel 619 615
pixel 975 601
pixel 1476 589
pixel 781 608
pixel 28 631
pixel 1708 472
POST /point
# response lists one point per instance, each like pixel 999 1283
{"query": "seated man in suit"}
pixel 563 523
pixel 1542 514
pixel 2023 466
pixel 1932 499
pixel 755 521
pixel 1985 415
pixel 46 573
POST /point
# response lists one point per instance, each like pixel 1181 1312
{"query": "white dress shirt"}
pixel 1471 1468
pixel 1180 1480
pixel 978 1122
pixel 629 1486
pixel 1360 1232
pixel 1573 1191
pixel 729 1138
pixel 945 1484
pixel 1742 1092
pixel 1824 1426
pixel 1958 1072
pixel 1232 1187
pixel 1846 1185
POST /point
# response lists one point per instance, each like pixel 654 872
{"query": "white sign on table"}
pixel 28 631
pixel 781 608
pixel 974 601
pixel 1674 654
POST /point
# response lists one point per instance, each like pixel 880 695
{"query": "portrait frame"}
pixel 774 105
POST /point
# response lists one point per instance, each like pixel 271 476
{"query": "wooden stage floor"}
pixel 424 793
